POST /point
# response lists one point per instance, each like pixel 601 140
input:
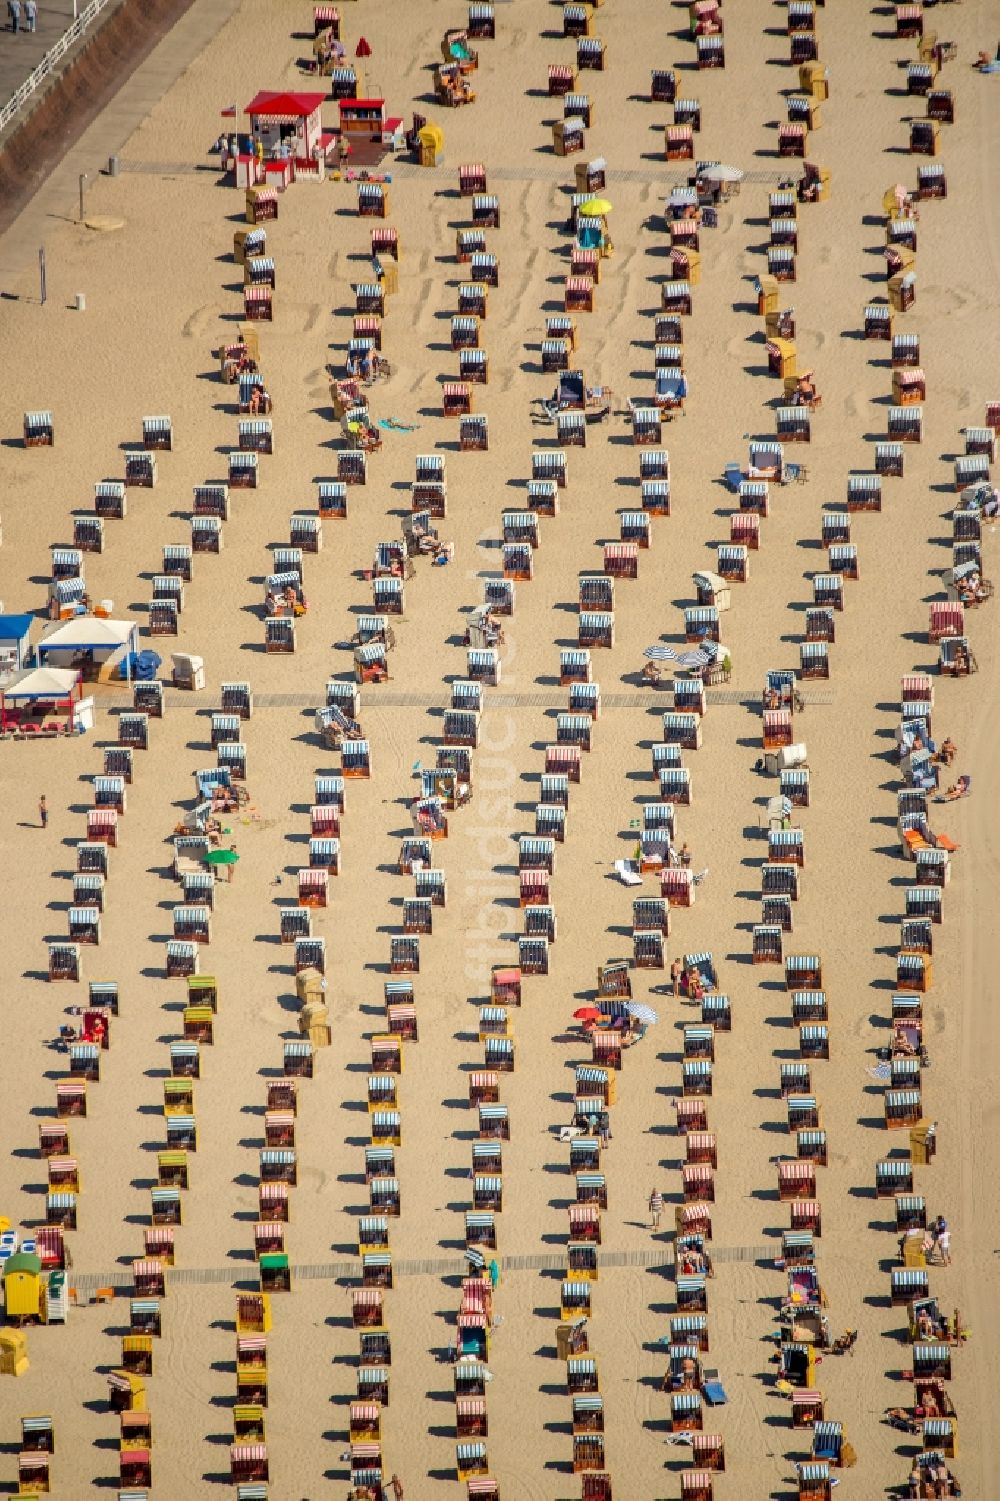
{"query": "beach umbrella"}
pixel 221 857
pixel 363 49
pixel 586 1014
pixel 694 659
pixel 660 654
pixel 721 173
pixel 475 1258
pixel 642 1013
pixel 594 208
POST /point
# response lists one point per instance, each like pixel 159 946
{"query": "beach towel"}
pixel 393 425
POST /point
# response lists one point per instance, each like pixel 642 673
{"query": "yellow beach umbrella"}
pixel 594 208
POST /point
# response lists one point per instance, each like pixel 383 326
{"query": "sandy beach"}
pixel 162 293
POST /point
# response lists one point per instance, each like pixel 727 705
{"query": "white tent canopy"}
pixel 88 633
pixel 42 683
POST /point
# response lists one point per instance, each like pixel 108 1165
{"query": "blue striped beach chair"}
pixel 84 925
pixel 802 1113
pixel 206 534
pixel 110 502
pixel 581 1374
pixel 140 470
pixel 88 533
pixel 533 954
pixel 794 1079
pixel 654 468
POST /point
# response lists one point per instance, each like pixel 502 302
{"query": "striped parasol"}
pixel 660 654
pixel 642 1013
pixel 697 658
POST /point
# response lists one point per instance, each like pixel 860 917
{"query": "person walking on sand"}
pixel 397 1488
pixel 676 971
pixel 14 11
pixel 655 1208
pixel 30 14
pixel 43 812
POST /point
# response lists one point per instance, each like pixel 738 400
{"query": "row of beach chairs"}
pixel 933 1334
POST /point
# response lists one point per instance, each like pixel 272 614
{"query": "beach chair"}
pixel 568 136
pixel 206 534
pixel 473 434
pixel 473 367
pixel 88 533
pixel 39 430
pixel 941 106
pixel 981 441
pixel 482 20
pixel 110 501
pixel 64 961
pixel 211 502
pixel 678 143
pixel 797 1181
pixel 710 51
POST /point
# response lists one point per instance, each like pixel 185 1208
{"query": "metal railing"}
pixel 46 67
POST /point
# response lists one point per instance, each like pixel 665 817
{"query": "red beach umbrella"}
pixel 362 49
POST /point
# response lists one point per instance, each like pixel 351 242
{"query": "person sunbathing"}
pixel 948 751
pixel 957 790
pixel 651 673
pixel 805 390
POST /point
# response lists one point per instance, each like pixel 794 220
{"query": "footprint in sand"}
pixel 200 321
pixel 952 300
pixel 317 384
pixel 850 407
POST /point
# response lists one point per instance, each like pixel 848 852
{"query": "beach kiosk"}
pixel 42 699
pixel 289 128
pixel 362 119
pixel 98 649
pixel 14 644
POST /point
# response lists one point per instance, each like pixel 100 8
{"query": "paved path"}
pixel 105 137
pixel 658 1255
pixel 21 54
pixel 386 699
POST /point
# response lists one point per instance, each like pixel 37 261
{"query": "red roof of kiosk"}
pixel 269 103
